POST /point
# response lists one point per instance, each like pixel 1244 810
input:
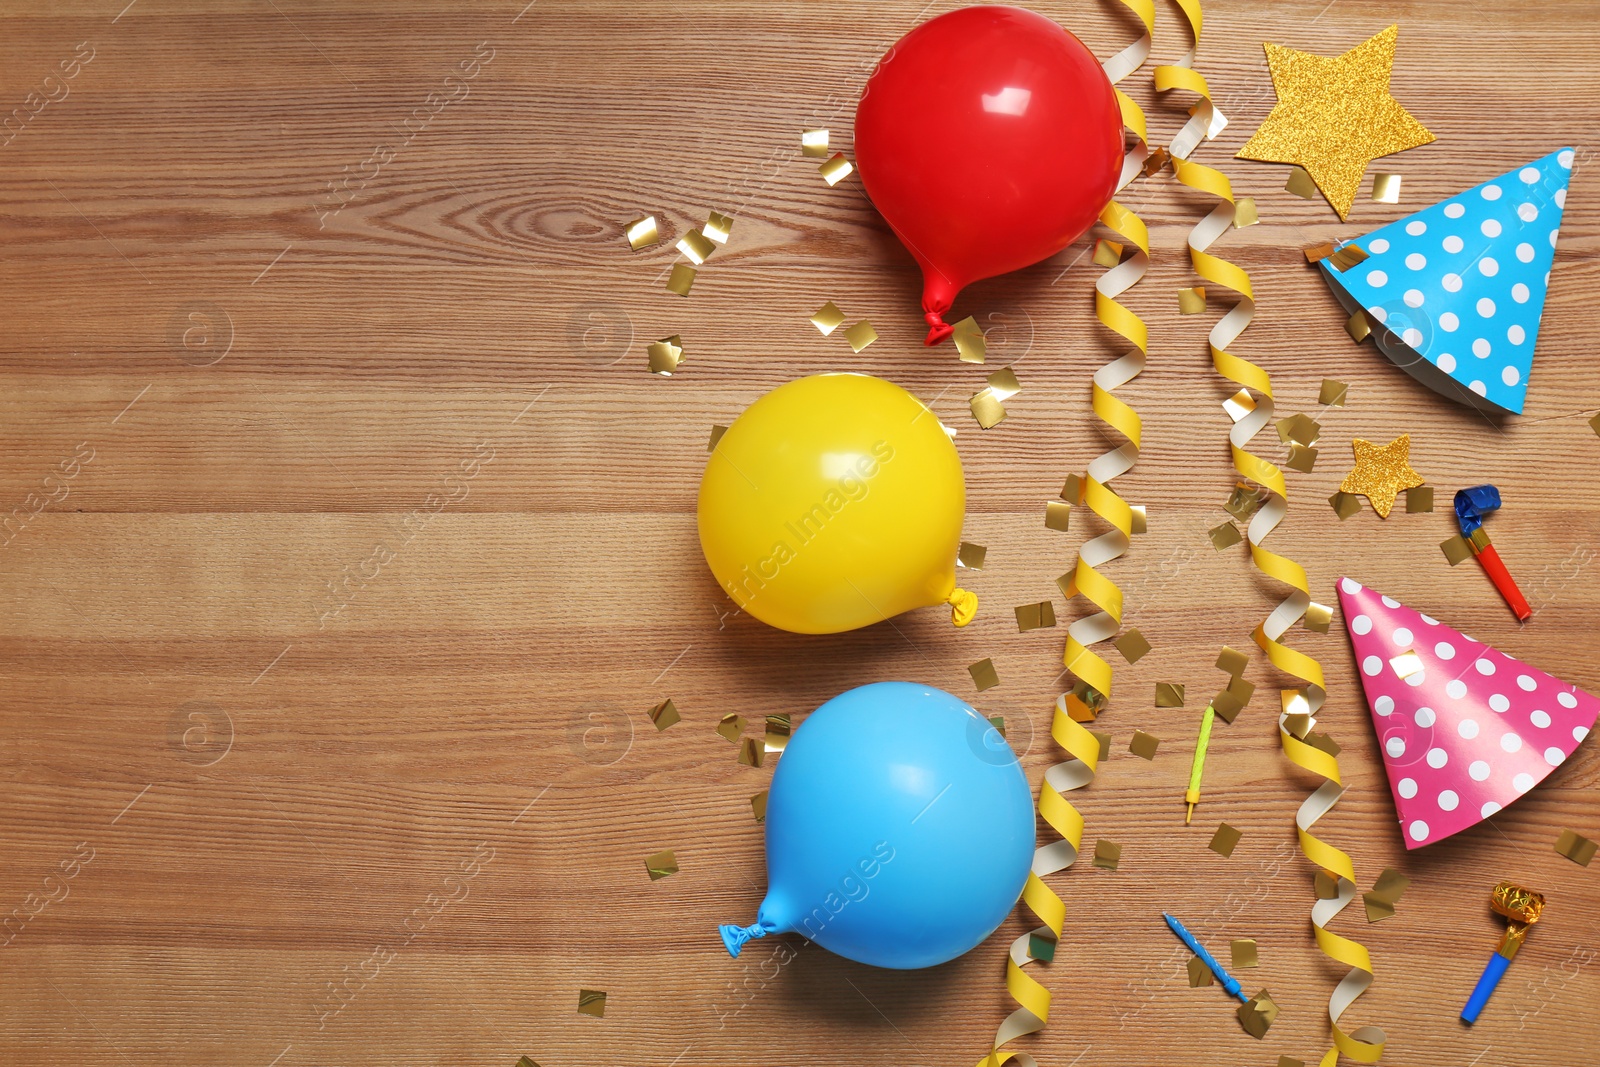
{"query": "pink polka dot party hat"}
pixel 1465 729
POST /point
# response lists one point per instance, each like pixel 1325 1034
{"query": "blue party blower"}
pixel 1522 908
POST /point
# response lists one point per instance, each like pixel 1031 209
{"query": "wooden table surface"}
pixel 351 541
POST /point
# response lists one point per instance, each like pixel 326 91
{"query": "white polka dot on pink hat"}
pixel 1467 734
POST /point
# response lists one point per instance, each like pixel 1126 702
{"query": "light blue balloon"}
pixel 899 829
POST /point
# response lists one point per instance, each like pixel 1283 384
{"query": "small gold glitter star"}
pixel 1381 473
pixel 1335 115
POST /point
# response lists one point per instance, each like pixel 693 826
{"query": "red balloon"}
pixel 990 139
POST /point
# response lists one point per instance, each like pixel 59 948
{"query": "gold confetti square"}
pixel 1139 522
pixel 1192 301
pixel 1158 158
pixel 1294 702
pixel 1232 662
pixel 860 335
pixel 1144 745
pixel 1377 908
pixel 592 1002
pixel 681 280
pixel 1035 616
pixel 1003 383
pixel 642 233
pixel 1107 854
pixel 1419 499
pixel 1239 405
pixel 665 355
pixel 1225 840
pixel 1301 185
pixel 1259 1012
pixel 1456 549
pixel 987 409
pixel 1302 458
pixel 1344 504
pixel 970 343
pixel 1299 429
pixel 696 246
pixel 1169 695
pixel 1105 744
pixel 1290 1061
pixel 1227 706
pixel 526 1061
pixel 827 318
pixel 814 143
pixel 1107 253
pixel 661 864
pixel 1245 213
pixel 1594 424
pixel 1243 502
pixel 1406 664
pixel 1057 515
pixel 836 169
pixel 1318 253
pixel 1325 886
pixel 1242 689
pixel 1324 742
pixel 1041 948
pixel 971 556
pixel 716 435
pixel 1224 536
pixel 758 806
pixel 750 752
pixel 999 724
pixel 1575 847
pixel 1072 489
pixel 1333 393
pixel 1132 645
pixel 664 715
pixel 1199 974
pixel 776 738
pixel 1348 256
pixel 1386 188
pixel 1297 723
pixel 1244 953
pixel 718 227
pixel 984 675
pixel 1318 616
pixel 731 727
pixel 1358 326
pixel 1390 886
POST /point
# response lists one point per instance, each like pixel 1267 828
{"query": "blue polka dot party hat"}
pixel 1454 292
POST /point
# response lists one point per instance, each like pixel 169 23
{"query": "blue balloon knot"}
pixel 734 937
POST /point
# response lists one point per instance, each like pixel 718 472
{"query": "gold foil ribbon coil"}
pixel 1364 1045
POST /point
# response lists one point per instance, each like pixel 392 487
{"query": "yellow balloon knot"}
pixel 963 606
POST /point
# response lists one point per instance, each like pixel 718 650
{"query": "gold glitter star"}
pixel 1335 115
pixel 1381 472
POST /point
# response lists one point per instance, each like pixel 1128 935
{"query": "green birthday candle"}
pixel 1192 795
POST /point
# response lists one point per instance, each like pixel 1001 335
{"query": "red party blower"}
pixel 1472 506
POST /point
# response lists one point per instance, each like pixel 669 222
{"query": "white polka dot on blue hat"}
pixel 1462 283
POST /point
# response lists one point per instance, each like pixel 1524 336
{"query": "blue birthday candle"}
pixel 1229 983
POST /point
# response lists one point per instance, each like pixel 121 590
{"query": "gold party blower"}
pixel 1522 908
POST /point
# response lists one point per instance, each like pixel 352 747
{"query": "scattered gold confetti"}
pixel 1087 703
pixel 681 280
pixel 1224 536
pixel 1333 393
pixel 758 806
pixel 1318 616
pixel 987 409
pixel 1003 383
pixel 1575 847
pixel 1144 745
pixel 777 733
pixel 695 245
pixel 526 1062
pixel 1107 253
pixel 1419 499
pixel 1105 744
pixel 1301 185
pixel 661 864
pixel 999 724
pixel 1072 489
pixel 1227 706
pixel 1297 723
pixel 814 143
pixel 1169 695
pixel 1386 188
pixel 642 233
pixel 1199 974
pixel 1301 457
pixel 1232 662
pixel 1140 522
pixel 836 169
pixel 1381 472
pixel 718 227
pixel 716 435
pixel 664 715
pixel 860 335
pixel 827 318
pixel 1347 256
pixel 1239 405
pixel 1244 953
pixel 1358 326
pixel 1325 885
pixel 1243 502
pixel 1295 703
pixel 1299 429
pixel 1157 160
pixel 1594 423
pixel 1390 886
pixel 749 752
pixel 1225 840
pixel 1456 549
pixel 1192 301
pixel 984 675
pixel 1319 252
pixel 971 556
pixel 1377 908
pixel 592 1002
pixel 1035 616
pixel 1057 515
pixel 1324 742
pixel 1244 212
pixel 969 341
pixel 1107 854
pixel 1132 645
pixel 731 727
pixel 1334 115
pixel 1257 1014
pixel 1041 947
pixel 1290 1061
pixel 1344 505
pixel 665 355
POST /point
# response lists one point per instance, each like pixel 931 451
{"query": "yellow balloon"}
pixel 835 502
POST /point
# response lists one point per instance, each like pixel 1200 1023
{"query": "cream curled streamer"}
pixel 1252 411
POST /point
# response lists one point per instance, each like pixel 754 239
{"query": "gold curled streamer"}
pixel 1081 746
pixel 1364 1045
